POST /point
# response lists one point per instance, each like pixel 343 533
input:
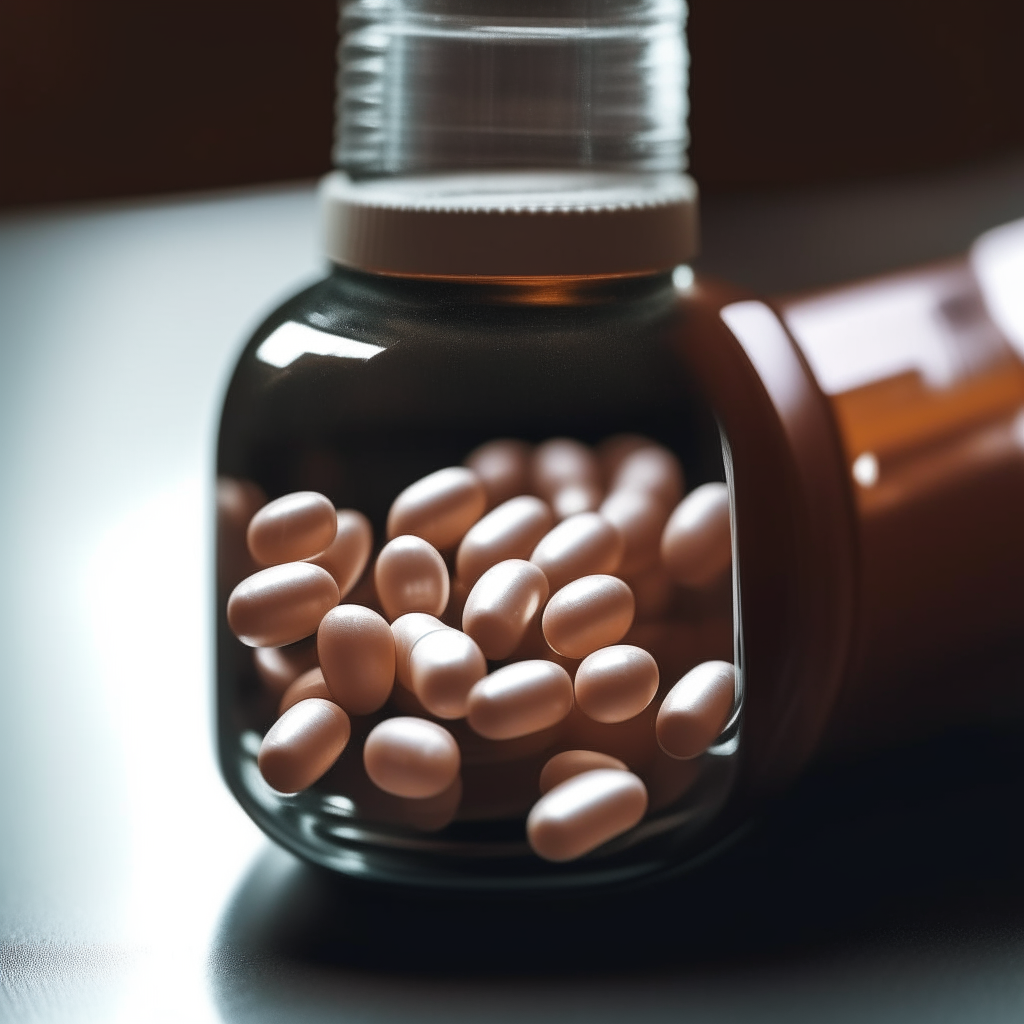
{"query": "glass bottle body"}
pixel 362 385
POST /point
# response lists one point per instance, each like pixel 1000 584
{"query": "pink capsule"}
pixel 587 614
pixel 407 630
pixel 411 576
pixel 584 812
pixel 502 604
pixel 616 683
pixel 444 665
pixel 562 462
pixel 640 518
pixel 309 684
pixel 654 470
pixel 520 698
pixel 579 546
pixel 282 604
pixel 279 667
pixel 440 508
pixel 503 468
pixel 411 757
pixel 697 709
pixel 574 762
pixel 696 545
pixel 357 655
pixel 349 552
pixel 291 528
pixel 512 530
pixel 303 744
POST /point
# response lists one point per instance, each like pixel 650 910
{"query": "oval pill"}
pixel 309 684
pixel 346 557
pixel 512 530
pixel 562 462
pixel 357 656
pixel 696 545
pixel 407 630
pixel 652 469
pixel 410 576
pixel 585 812
pixel 440 508
pixel 578 546
pixel 587 614
pixel 574 762
pixel 279 667
pixel 444 665
pixel 503 467
pixel 303 744
pixel 411 757
pixel 697 709
pixel 520 698
pixel 640 518
pixel 502 604
pixel 282 604
pixel 291 528
pixel 616 683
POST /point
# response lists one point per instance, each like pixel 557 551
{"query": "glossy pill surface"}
pixel 410 576
pixel 616 683
pixel 282 604
pixel 503 467
pixel 585 812
pixel 357 656
pixel 411 757
pixel 502 604
pixel 519 699
pixel 309 684
pixel 512 530
pixel 696 709
pixel 444 665
pixel 440 508
pixel 579 546
pixel 346 557
pixel 291 528
pixel 303 744
pixel 587 614
pixel 575 762
pixel 652 469
pixel 696 546
pixel 640 518
pixel 407 630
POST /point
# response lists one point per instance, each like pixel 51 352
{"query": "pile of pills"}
pixel 508 649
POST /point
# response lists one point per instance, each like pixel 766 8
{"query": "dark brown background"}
pixel 117 97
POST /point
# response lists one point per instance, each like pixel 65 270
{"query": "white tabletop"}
pixel 132 887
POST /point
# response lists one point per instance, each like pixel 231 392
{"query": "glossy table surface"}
pixel 132 888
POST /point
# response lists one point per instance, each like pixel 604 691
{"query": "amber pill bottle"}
pixel 509 231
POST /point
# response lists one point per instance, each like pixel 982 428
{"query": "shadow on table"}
pixel 894 882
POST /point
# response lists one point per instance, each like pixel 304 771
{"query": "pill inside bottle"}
pixel 282 604
pixel 584 812
pixel 411 757
pixel 291 528
pixel 502 604
pixel 581 545
pixel 503 467
pixel 346 556
pixel 696 545
pixel 411 576
pixel 357 656
pixel 303 744
pixel 696 709
pixel 440 508
pixel 588 614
